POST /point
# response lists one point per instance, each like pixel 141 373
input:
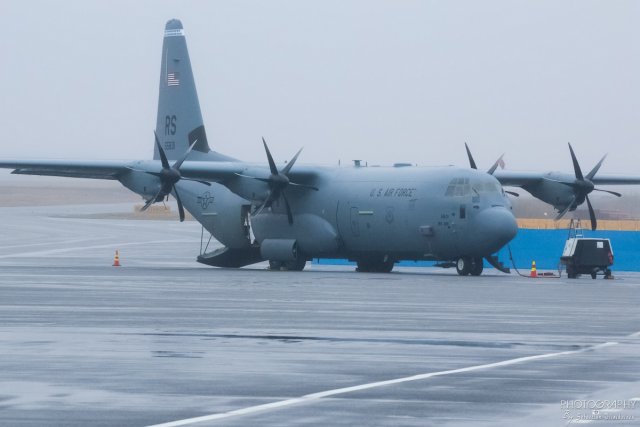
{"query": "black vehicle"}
pixel 587 256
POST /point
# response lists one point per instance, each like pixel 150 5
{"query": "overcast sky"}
pixel 384 81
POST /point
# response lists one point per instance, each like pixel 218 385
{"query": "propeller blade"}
pixel 268 201
pixel 179 162
pixel 495 165
pixel 146 205
pixel 565 210
pixel 163 157
pixel 513 193
pixel 595 169
pixel 472 163
pixel 180 207
pixel 576 166
pixel 592 214
pixel 285 170
pixel 151 201
pixel 288 208
pixel 310 187
pixel 272 164
pixel 258 210
pixel 608 191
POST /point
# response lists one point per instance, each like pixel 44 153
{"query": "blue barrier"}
pixel 545 247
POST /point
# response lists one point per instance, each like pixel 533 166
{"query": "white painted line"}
pixel 320 395
pixel 51 243
pixel 82 248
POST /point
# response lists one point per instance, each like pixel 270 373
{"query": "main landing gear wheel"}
pixel 376 265
pixel 275 265
pixel 476 266
pixel 295 265
pixel 463 266
pixel 467 265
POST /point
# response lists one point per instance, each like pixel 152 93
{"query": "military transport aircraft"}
pixel 289 214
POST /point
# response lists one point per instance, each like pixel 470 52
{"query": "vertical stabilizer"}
pixel 179 121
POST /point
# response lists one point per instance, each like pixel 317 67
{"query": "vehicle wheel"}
pixel 275 265
pixel 297 265
pixel 571 274
pixel 476 267
pixel 593 274
pixel 375 265
pixel 463 266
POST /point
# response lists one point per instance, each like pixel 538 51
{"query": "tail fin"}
pixel 179 121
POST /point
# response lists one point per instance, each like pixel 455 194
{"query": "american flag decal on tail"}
pixel 173 79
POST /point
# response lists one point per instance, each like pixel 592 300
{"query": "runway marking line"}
pixel 82 248
pixel 323 394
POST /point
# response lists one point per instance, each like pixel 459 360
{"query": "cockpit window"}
pixel 486 187
pixel 458 187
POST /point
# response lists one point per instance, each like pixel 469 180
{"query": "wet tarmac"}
pixel 162 339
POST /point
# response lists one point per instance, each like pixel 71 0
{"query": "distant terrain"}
pixel 46 191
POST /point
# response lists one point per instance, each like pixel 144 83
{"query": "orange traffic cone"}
pixel 116 259
pixel 534 271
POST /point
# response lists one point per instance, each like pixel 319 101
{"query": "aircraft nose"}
pixel 493 228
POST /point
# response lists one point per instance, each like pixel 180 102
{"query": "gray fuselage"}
pixel 405 213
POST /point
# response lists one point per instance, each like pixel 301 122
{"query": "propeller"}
pixel 491 170
pixel 278 181
pixel 473 165
pixel 169 176
pixel 472 162
pixel 581 187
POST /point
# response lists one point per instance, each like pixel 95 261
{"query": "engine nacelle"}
pixel 279 249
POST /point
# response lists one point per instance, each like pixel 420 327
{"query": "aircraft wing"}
pixel 518 179
pixel 224 171
pixel 106 169
pixel 213 171
pixel 68 168
pixel 616 180
pixel 101 169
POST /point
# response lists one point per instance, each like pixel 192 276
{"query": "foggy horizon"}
pixel 384 82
